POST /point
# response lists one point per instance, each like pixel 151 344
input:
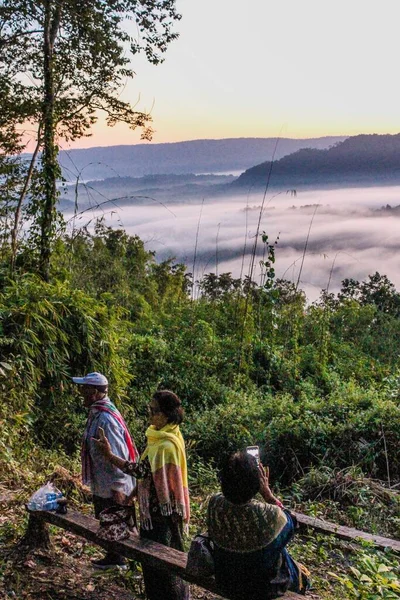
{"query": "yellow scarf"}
pixel 165 451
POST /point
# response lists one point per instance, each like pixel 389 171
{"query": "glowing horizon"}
pixel 289 69
pixel 100 140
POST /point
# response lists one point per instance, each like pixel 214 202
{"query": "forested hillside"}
pixel 194 156
pixel 315 385
pixel 362 159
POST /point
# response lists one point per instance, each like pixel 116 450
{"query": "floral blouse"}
pixel 142 470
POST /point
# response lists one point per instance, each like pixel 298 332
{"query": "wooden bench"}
pixel 134 548
pixel 346 533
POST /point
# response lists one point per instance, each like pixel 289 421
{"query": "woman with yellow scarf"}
pixel 162 489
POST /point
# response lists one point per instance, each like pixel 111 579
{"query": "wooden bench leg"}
pixel 36 535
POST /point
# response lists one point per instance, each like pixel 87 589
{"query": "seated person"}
pixel 250 536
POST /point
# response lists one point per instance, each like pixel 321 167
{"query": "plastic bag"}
pixel 45 498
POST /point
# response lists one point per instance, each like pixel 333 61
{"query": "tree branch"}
pixel 13 38
pixel 17 216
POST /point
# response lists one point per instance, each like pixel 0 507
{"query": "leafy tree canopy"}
pixel 61 62
pixel 90 61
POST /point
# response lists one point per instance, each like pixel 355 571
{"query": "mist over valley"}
pixel 343 200
pixel 352 232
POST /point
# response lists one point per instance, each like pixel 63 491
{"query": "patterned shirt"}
pixel 107 478
pixel 142 470
pixel 243 527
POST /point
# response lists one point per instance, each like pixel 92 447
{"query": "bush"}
pixel 48 333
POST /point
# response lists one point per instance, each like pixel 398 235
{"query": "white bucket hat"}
pixel 91 379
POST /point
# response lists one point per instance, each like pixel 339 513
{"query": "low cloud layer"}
pixel 347 237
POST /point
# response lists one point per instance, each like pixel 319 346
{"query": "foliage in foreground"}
pixel 313 385
pixel 372 577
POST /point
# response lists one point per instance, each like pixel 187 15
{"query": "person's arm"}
pixel 265 490
pixel 104 446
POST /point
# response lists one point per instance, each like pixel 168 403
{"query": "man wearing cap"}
pixel 109 485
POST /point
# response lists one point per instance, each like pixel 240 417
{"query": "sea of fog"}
pixel 347 235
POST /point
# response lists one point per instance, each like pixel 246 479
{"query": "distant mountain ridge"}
pixel 143 190
pixel 362 158
pixel 196 156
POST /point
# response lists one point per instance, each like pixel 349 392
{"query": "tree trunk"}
pixel 17 215
pixel 49 157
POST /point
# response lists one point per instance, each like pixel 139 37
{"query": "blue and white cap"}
pixel 91 379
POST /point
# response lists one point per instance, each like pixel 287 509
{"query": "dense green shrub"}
pixel 312 385
pixel 48 333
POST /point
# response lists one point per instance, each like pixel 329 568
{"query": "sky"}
pixel 266 69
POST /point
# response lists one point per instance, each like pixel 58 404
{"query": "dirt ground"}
pixel 65 573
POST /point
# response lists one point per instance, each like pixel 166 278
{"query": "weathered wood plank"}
pixel 346 533
pixel 135 548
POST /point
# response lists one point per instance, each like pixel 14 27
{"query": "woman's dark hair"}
pixel 170 406
pixel 240 478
